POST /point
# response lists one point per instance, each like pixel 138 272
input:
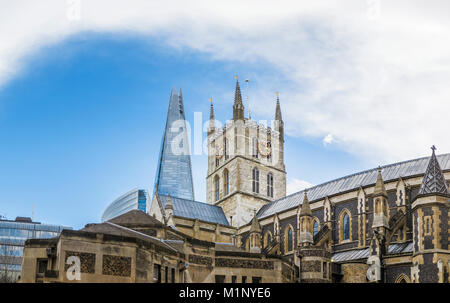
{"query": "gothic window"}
pixel 226 183
pixel 346 222
pixel 289 240
pixel 217 188
pixel 225 148
pixel 270 185
pixel 345 226
pixel 255 178
pixel 315 227
pixel 269 151
pixel 267 238
pixel 255 147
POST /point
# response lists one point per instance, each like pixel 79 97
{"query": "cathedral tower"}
pixel 245 163
pixel 430 210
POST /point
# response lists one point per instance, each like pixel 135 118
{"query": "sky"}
pixel 85 85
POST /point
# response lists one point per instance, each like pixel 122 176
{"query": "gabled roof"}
pixel 195 210
pixel 390 172
pixel 433 181
pixel 136 218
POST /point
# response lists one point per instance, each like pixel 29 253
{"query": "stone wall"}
pixel 354 273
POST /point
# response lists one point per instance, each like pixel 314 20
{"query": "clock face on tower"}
pixel 264 148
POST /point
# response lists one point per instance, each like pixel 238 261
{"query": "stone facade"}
pixel 234 151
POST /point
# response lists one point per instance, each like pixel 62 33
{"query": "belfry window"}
pixel 255 178
pixel 255 147
pixel 217 188
pixel 225 148
pixel 226 183
pixel 270 185
pixel 346 223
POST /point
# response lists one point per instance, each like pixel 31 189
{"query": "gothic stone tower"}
pixel 431 257
pixel 245 163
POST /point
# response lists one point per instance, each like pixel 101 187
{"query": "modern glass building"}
pixel 12 239
pixel 174 173
pixel 134 199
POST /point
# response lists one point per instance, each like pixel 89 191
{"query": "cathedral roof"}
pixel 390 172
pixel 433 181
pixel 195 210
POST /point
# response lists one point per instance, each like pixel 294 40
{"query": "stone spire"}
pixel 278 110
pixel 238 107
pixel 169 212
pixel 255 228
pixel 212 124
pixel 433 181
pixel 306 209
pixel 169 204
pixel 305 217
pixel 255 235
pixel 379 189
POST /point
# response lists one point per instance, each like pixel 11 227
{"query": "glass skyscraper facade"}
pixel 174 172
pixel 134 199
pixel 13 235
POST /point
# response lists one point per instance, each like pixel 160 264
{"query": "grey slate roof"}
pixel 433 180
pixel 365 178
pixel 357 254
pixel 196 210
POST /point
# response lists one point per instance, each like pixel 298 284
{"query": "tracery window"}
pixel 255 180
pixel 270 185
pixel 226 182
pixel 217 188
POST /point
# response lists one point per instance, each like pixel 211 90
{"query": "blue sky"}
pixel 84 89
pixel 83 125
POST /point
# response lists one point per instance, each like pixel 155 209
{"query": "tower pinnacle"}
pixel 238 107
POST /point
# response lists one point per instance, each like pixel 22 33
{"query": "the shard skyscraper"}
pixel 174 172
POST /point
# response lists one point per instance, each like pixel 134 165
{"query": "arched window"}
pixel 269 151
pixel 402 278
pixel 267 238
pixel 270 185
pixel 225 148
pixel 288 239
pixel 217 188
pixel 315 227
pixel 346 224
pixel 226 183
pixel 255 180
pixel 255 147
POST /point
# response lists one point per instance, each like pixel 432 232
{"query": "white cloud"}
pixel 328 139
pixel 375 74
pixel 296 185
